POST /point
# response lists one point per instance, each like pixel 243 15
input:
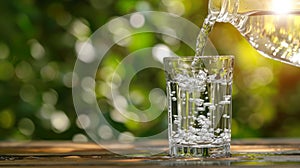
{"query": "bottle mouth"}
pixel 222 8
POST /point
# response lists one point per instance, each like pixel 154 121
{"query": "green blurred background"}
pixel 38 42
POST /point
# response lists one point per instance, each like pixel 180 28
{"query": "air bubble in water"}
pixel 212 107
pixel 218 130
pixel 199 102
pixel 207 104
pixel 183 95
pixel 224 102
pixel 200 108
pixel 227 97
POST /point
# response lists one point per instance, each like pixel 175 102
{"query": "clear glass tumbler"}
pixel 199 105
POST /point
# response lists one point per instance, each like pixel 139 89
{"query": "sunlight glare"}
pixel 282 7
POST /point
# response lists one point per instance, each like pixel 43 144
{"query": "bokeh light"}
pixel 59 121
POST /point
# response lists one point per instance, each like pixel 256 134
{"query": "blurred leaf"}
pixel 7 119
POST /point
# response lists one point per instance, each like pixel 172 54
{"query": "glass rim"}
pixel 172 58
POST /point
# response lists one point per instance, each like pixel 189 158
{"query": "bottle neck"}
pixel 229 11
pixel 223 10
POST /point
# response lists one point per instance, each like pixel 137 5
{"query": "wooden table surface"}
pixel 245 153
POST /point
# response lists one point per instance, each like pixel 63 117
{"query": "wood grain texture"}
pixel 249 153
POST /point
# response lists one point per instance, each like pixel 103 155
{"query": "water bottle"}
pixel 272 27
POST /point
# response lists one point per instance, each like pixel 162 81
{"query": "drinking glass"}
pixel 199 105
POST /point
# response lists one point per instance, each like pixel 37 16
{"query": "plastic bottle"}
pixel 271 26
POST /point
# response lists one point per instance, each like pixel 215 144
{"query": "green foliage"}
pixel 38 51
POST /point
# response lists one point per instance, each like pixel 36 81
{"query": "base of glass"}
pixel 200 151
